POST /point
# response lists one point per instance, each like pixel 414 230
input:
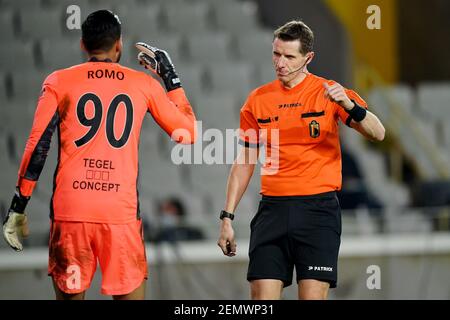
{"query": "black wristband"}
pixel 224 214
pixel 171 80
pixel 357 113
pixel 19 203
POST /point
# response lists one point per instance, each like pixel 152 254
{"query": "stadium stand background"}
pixel 395 195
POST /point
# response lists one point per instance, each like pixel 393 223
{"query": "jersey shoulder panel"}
pixel 261 91
pixel 139 76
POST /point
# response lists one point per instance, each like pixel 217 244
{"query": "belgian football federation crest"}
pixel 314 129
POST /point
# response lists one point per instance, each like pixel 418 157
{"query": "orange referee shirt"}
pixel 308 149
pixel 97 109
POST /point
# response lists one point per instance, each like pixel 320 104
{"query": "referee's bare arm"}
pixel 370 127
pixel 238 180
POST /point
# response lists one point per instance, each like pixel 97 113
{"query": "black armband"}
pixel 357 113
pixel 19 203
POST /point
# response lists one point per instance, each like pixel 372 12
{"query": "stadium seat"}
pixel 38 210
pixel 235 16
pixel 446 134
pixel 8 173
pixel 3 149
pixel 139 23
pixel 7 24
pixel 266 72
pixel 192 78
pixel 66 3
pixel 155 169
pixel 12 52
pixel 386 99
pixel 412 222
pixel 41 24
pixel 20 115
pixel 434 99
pixel 150 139
pixel 15 4
pixel 415 150
pixel 236 78
pixel 61 53
pixel 3 90
pixel 209 47
pixel 219 110
pixel 209 179
pixel 255 47
pixel 27 85
pixel 136 4
pixel 186 17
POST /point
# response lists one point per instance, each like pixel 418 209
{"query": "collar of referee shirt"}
pixel 95 59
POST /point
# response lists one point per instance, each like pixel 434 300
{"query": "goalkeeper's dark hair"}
pixel 296 30
pixel 100 31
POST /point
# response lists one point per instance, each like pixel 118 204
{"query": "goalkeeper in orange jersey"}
pixel 97 109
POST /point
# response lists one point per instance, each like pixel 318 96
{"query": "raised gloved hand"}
pixel 159 62
pixel 15 225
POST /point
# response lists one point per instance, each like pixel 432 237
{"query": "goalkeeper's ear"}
pixel 118 47
pixel 83 47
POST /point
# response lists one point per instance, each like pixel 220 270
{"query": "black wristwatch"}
pixel 224 214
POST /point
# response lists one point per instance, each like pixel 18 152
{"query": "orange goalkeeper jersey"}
pixel 97 108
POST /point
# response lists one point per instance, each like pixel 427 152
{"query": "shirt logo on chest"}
pixel 289 105
pixel 314 129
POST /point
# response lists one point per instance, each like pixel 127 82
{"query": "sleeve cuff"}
pixel 26 186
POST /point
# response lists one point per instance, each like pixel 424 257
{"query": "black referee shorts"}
pixel 300 231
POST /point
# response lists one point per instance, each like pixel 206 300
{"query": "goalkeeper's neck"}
pixel 112 55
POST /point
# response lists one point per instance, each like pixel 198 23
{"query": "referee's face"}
pixel 288 61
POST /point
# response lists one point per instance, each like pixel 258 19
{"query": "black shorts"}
pixel 300 231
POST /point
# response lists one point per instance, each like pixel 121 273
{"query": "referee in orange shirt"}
pixel 298 222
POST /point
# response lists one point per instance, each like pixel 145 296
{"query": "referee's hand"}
pixel 336 93
pixel 226 240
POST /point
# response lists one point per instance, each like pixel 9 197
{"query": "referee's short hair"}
pixel 296 30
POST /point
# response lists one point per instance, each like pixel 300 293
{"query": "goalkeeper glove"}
pixel 15 224
pixel 159 61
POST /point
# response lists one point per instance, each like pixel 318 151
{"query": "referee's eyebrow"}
pixel 286 55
